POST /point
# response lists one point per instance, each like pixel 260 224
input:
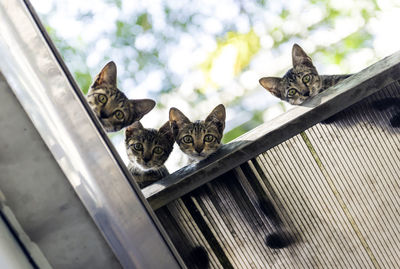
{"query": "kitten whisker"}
pixel 200 138
pixel 147 150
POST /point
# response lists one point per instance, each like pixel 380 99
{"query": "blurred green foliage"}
pixel 187 19
pixel 246 46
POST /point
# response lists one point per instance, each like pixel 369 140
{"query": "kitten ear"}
pixel 176 120
pixel 141 107
pixel 131 128
pixel 217 116
pixel 272 84
pixel 107 75
pixel 165 130
pixel 299 57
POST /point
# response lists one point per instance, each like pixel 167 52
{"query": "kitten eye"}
pixel 158 150
pixel 291 92
pixel 187 139
pixel 209 138
pixel 138 146
pixel 119 115
pixel 102 98
pixel 306 79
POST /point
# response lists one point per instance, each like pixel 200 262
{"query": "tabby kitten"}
pixel 114 110
pixel 147 150
pixel 302 81
pixel 198 139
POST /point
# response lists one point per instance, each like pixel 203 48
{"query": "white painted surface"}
pixel 11 255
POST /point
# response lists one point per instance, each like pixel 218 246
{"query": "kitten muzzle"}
pixel 199 149
pixel 146 157
pixel 146 166
pixel 199 155
pixel 103 114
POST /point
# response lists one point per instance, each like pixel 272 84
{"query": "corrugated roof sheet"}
pixel 335 189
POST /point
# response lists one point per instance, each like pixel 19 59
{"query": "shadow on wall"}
pixel 380 109
pixel 391 105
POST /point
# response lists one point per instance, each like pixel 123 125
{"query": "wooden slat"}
pixel 327 239
pixel 276 131
pixel 186 234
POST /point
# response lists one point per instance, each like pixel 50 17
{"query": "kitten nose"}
pixel 103 114
pixel 307 93
pixel 146 159
pixel 199 149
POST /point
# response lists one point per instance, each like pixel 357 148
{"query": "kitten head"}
pixel 148 148
pixel 198 139
pixel 111 106
pixel 299 83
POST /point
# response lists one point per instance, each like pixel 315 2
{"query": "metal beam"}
pixel 56 106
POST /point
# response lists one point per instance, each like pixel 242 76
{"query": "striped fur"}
pixel 201 138
pixel 301 82
pixel 114 110
pixel 147 150
pixel 331 80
